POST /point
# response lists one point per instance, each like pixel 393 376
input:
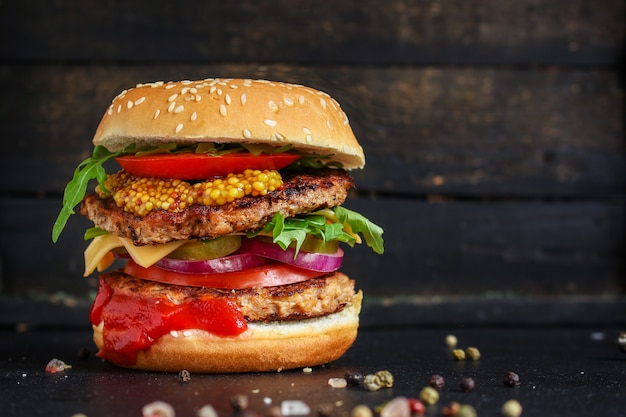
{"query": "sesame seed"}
pixel 179 109
pixel 167 87
pixel 110 111
pixel 227 98
pixel 270 123
pixel 273 106
pixel 198 97
pixel 171 107
pixel 280 137
pixel 194 116
pixel 243 98
pixel 129 104
pixel 247 134
pixel 323 103
pixel 223 111
pixel 219 91
pixel 173 97
pixel 330 125
pixel 179 127
pixel 212 90
pixel 119 108
pixel 301 99
pixel 288 101
pixel 234 86
pixel 306 131
pixel 309 139
pixel 140 100
pixel 193 90
pixel 156 113
pixel 184 90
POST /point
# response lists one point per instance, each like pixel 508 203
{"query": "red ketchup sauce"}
pixel 132 324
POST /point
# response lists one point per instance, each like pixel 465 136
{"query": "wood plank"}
pixel 449 250
pixel 561 32
pixel 450 131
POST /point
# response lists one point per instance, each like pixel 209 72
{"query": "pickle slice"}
pixel 207 249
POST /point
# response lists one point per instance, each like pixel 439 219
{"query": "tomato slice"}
pixel 269 275
pixel 192 166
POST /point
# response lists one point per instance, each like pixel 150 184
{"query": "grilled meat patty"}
pixel 312 298
pixel 300 193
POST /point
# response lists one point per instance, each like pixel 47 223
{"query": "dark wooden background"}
pixel 493 130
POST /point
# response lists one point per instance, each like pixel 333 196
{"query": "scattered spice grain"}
pixel 512 408
pixel 325 409
pixel 207 411
pixel 371 382
pixel 416 407
pixel 458 354
pixel 337 382
pixel 429 396
pixel 451 340
pixel 451 409
pixel 158 409
pixel 467 384
pixel 437 381
pixel 354 379
pixel 239 402
pixel 511 379
pixel 386 378
pixel 361 410
pixel 467 410
pixel 184 375
pixel 396 407
pixel 472 353
pixel 621 342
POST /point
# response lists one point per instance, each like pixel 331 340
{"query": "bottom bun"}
pixel 271 346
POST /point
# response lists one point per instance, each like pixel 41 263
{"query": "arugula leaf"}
pixel 91 168
pixel 372 233
pixel 295 229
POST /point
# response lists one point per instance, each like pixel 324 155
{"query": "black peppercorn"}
pixel 436 381
pixel 354 379
pixel 184 375
pixel 467 384
pixel 511 379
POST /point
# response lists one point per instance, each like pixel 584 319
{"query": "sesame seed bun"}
pixel 271 346
pixel 230 111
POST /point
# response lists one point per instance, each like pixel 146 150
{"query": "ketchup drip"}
pixel 132 324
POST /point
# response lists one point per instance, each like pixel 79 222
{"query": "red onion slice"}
pixel 231 263
pixel 321 262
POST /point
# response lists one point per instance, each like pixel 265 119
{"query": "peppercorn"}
pixel 437 382
pixel 386 379
pixel 371 382
pixel 158 409
pixel 451 409
pixel 451 340
pixel 466 410
pixel 511 379
pixel 396 407
pixel 472 353
pixel 467 384
pixel 239 402
pixel 416 407
pixel 353 379
pixel 361 411
pixel 621 342
pixel 184 375
pixel 207 411
pixel 429 396
pixel 512 408
pixel 458 354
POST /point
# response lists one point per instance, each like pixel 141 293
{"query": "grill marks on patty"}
pixel 312 298
pixel 301 193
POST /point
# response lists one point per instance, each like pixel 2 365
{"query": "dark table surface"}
pixel 564 371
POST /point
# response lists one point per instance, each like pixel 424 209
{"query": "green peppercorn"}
pixel 371 382
pixel 385 378
pixel 429 396
pixel 458 354
pixel 512 408
pixel 472 353
pixel 466 410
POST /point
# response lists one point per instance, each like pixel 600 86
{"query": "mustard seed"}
pixel 451 340
pixel 437 382
pixel 371 382
pixel 429 396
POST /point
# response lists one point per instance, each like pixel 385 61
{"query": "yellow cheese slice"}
pixel 145 256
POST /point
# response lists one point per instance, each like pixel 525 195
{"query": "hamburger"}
pixel 220 237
